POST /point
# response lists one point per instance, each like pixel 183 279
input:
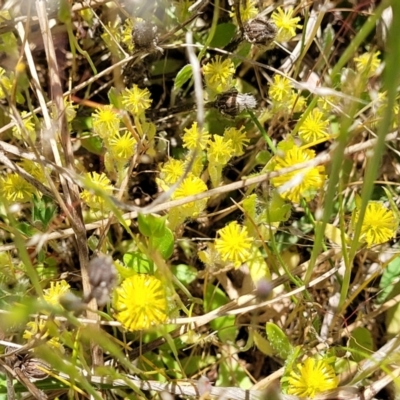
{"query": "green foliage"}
pixel 279 341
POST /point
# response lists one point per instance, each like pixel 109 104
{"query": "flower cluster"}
pixel 218 74
pixel 297 184
pixel 313 376
pixel 379 225
pixel 140 302
pixel 101 183
pixel 286 24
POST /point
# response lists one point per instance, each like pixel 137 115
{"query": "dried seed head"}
pixel 144 37
pixel 232 103
pixel 102 277
pixel 260 31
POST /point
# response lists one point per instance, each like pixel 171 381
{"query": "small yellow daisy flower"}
pixel 238 138
pixel 285 23
pixel 126 33
pixel 136 100
pixel 105 121
pixel 220 150
pixel 301 183
pixel 16 189
pixel 122 147
pixel 379 225
pixel 34 169
pixel 192 139
pixel 34 327
pixel 55 291
pixel 140 302
pixel 234 244
pixel 314 127
pixel 190 186
pixel 247 12
pixel 312 377
pixel 6 83
pixel 218 74
pixel 281 89
pixel 172 170
pixel 29 126
pixel 367 63
pixel 102 182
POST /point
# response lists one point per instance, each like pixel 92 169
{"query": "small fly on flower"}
pixel 231 103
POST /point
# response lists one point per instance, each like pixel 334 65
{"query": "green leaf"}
pixel 150 225
pixel 115 98
pixel 361 343
pixel 184 273
pixel 164 244
pixel 262 343
pixel 388 279
pixel 223 35
pixel 43 212
pixel 183 76
pixel 138 262
pixel 279 341
pixel 93 144
pixel 225 326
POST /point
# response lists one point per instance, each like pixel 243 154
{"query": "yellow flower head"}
pixel 367 63
pixel 136 100
pixel 126 34
pixel 29 128
pixel 247 12
pixel 281 89
pixel 220 150
pixel 172 170
pixel 33 168
pixel 285 23
pixel 379 225
pixel 105 121
pixel 300 183
pixel 234 244
pixel 238 139
pixel 218 74
pixel 312 377
pixel 100 181
pixel 190 186
pixel 55 291
pixel 140 302
pixel 192 139
pixel 33 328
pixel 6 83
pixel 122 147
pixel 314 127
pixel 16 189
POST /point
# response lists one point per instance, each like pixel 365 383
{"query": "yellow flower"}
pixel 136 100
pixel 314 127
pixel 218 74
pixel 29 128
pixel 126 34
pixel 379 225
pixel 234 244
pixel 6 83
pixel 122 147
pixel 297 102
pixel 285 23
pixel 281 89
pixel 220 150
pixel 33 328
pixel 313 376
pixel 105 121
pixel 192 139
pixel 55 291
pixel 15 188
pixel 301 183
pixel 247 12
pixel 367 63
pixel 100 181
pixel 191 186
pixel 33 168
pixel 238 139
pixel 140 302
pixel 172 170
